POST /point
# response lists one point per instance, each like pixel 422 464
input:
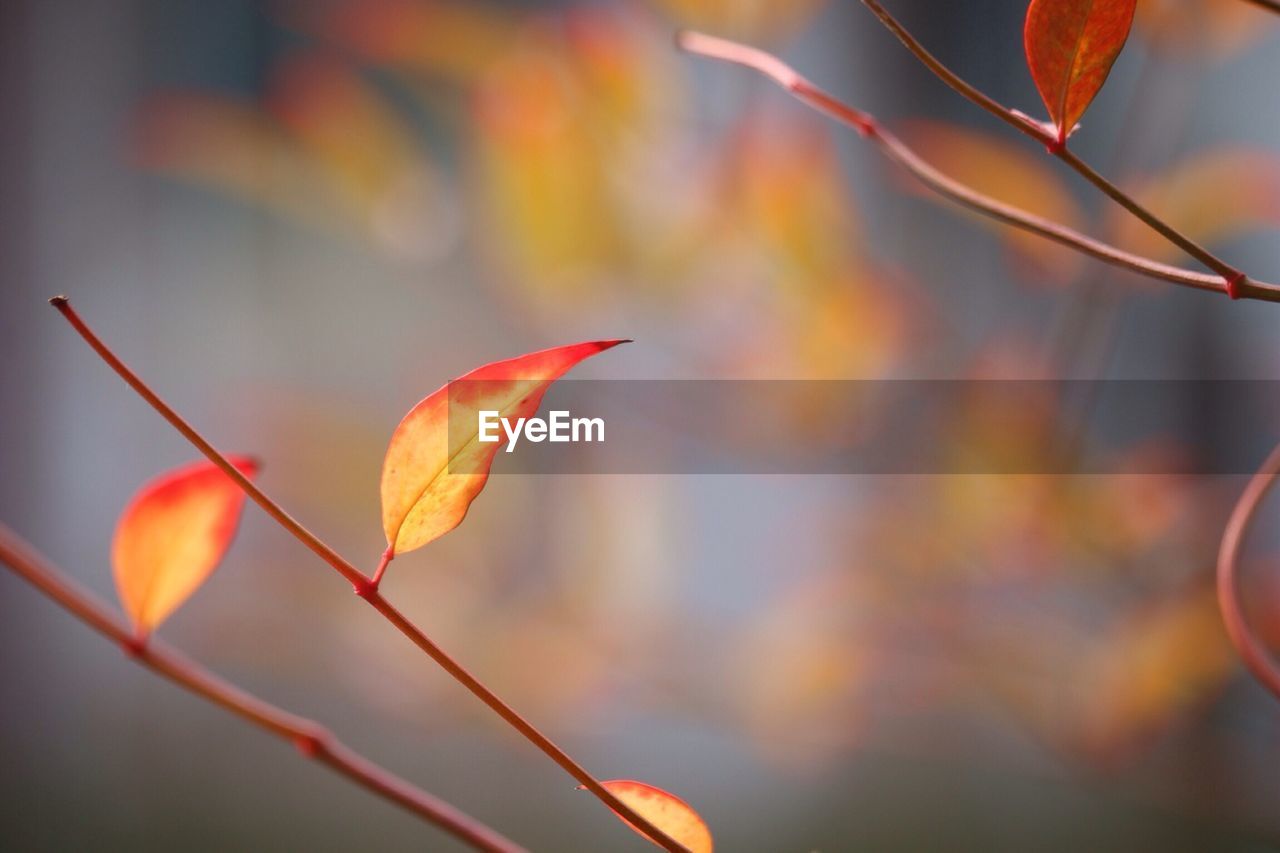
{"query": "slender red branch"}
pixel 367 588
pixel 1251 649
pixel 311 739
pixel 1055 144
pixel 896 150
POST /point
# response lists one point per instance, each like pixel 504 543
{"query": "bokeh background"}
pixel 297 218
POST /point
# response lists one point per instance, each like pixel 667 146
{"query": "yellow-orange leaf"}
pixel 665 811
pixel 171 537
pixel 435 465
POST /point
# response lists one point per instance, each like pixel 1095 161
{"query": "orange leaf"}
pixel 423 494
pixel 171 537
pixel 665 811
pixel 1071 45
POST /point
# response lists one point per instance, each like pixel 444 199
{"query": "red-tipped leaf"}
pixel 172 536
pixel 1071 46
pixel 436 464
pixel 665 811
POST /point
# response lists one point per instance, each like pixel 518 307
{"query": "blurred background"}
pixel 295 219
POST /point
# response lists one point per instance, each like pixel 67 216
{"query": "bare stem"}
pixel 1251 649
pixel 896 150
pixel 367 589
pixel 1055 147
pixel 311 739
pixel 387 556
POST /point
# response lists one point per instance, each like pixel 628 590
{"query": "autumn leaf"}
pixel 456 40
pixel 665 811
pixel 773 20
pixel 232 147
pixel 1071 46
pixel 435 465
pixel 350 129
pixel 171 537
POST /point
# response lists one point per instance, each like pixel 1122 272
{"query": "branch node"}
pixel 1234 283
pixel 364 589
pixel 310 744
pixel 135 646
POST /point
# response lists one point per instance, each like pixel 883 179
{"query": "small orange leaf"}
pixel 171 537
pixel 423 494
pixel 665 811
pixel 1071 46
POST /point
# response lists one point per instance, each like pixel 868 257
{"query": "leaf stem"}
pixel 387 556
pixel 367 588
pixel 896 150
pixel 1251 649
pixel 311 739
pixel 1054 144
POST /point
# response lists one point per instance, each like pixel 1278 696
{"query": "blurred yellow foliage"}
pixel 1216 28
pixel 1213 195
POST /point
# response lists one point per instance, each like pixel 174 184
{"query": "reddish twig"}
pixel 367 589
pixel 311 739
pixel 1251 649
pixel 787 77
pixel 1055 146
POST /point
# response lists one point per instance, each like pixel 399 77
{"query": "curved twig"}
pixel 1251 649
pixel 1041 134
pixel 310 738
pixel 789 79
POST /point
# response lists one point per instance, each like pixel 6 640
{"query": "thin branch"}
pixel 1251 649
pixel 310 738
pixel 894 148
pixel 366 589
pixel 1041 134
